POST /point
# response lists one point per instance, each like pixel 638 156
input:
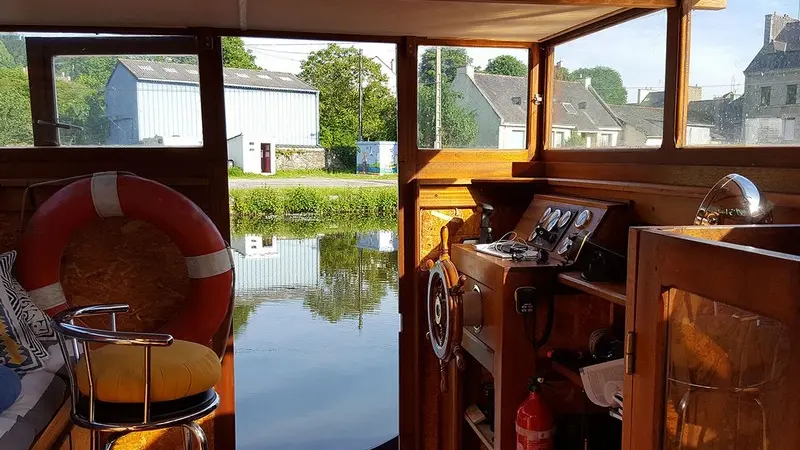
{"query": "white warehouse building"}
pixel 158 103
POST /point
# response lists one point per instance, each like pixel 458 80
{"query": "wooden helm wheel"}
pixel 448 305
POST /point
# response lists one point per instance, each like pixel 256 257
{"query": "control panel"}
pixel 561 225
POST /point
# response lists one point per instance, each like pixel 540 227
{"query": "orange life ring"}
pixel 109 194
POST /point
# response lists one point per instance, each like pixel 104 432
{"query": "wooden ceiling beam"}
pixel 651 4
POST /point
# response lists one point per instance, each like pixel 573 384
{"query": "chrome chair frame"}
pixel 81 337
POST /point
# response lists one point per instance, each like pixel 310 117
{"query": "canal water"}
pixel 316 338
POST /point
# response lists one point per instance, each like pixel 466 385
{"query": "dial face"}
pixel 552 221
pixel 565 218
pixel 546 214
pixel 583 218
pixel 566 244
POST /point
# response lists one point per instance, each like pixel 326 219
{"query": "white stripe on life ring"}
pixel 49 296
pixel 212 264
pixel 105 195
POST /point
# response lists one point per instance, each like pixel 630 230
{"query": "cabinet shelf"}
pixel 482 430
pixel 608 290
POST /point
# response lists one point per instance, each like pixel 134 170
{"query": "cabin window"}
pixel 609 86
pixel 16 128
pixel 743 74
pixel 115 91
pixel 473 98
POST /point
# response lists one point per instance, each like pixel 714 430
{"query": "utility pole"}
pixel 437 142
pixel 360 96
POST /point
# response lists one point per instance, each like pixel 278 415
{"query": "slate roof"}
pixel 499 91
pixel 187 73
pixel 654 99
pixel 782 53
pixel 591 113
pixel 646 119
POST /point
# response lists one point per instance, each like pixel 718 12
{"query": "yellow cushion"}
pixel 178 371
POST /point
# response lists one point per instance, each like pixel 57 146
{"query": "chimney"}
pixel 469 70
pixel 774 24
pixel 587 82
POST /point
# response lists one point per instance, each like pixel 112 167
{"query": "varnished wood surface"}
pixel 56 429
pixel 719 271
pixel 611 291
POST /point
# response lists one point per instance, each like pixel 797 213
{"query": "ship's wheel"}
pixel 450 308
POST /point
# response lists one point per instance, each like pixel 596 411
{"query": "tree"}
pixel 234 54
pixel 15 44
pixel 6 60
pixel 15 108
pixel 452 59
pixel 507 65
pixel 459 125
pixel 334 72
pixel 605 80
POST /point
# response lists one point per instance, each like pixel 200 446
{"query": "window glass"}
pixel 129 100
pixel 744 70
pixel 609 87
pixel 478 98
pixel 15 97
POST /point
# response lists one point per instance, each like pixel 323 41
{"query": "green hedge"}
pixel 272 203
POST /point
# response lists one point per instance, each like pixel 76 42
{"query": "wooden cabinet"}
pixel 713 349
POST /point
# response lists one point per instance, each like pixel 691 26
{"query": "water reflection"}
pixel 316 340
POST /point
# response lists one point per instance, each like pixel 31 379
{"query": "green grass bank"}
pixel 264 203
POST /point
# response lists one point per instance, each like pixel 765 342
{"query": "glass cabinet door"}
pixel 726 369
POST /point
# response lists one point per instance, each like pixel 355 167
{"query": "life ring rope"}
pixel 209 263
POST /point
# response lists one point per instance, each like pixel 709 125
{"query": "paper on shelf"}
pixel 602 381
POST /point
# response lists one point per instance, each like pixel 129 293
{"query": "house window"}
pixel 766 94
pixel 791 94
pixel 475 99
pixel 16 126
pixel 594 94
pixel 558 139
pixel 788 129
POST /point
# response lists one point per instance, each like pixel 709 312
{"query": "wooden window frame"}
pixel 464 155
pixel 673 150
pixel 42 52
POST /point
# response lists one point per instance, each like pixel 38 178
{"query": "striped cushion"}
pixel 20 349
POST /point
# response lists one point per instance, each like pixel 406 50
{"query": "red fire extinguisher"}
pixel 535 427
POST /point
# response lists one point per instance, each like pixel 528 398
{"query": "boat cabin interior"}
pixel 542 284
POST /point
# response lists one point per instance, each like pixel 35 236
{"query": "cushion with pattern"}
pixel 20 349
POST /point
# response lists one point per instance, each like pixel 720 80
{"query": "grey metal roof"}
pixel 648 120
pixel 592 112
pixel 500 91
pixel 781 53
pixel 187 73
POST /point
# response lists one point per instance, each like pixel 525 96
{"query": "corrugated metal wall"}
pixel 281 117
pixel 295 265
pixel 121 108
pixel 170 110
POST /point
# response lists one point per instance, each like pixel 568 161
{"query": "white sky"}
pixel 723 44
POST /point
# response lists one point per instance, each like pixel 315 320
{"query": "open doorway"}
pixel 312 129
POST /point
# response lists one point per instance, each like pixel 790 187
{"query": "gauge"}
pixel 546 214
pixel 552 221
pixel 566 244
pixel 583 218
pixel 565 218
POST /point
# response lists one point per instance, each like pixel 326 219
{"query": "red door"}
pixel 266 158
